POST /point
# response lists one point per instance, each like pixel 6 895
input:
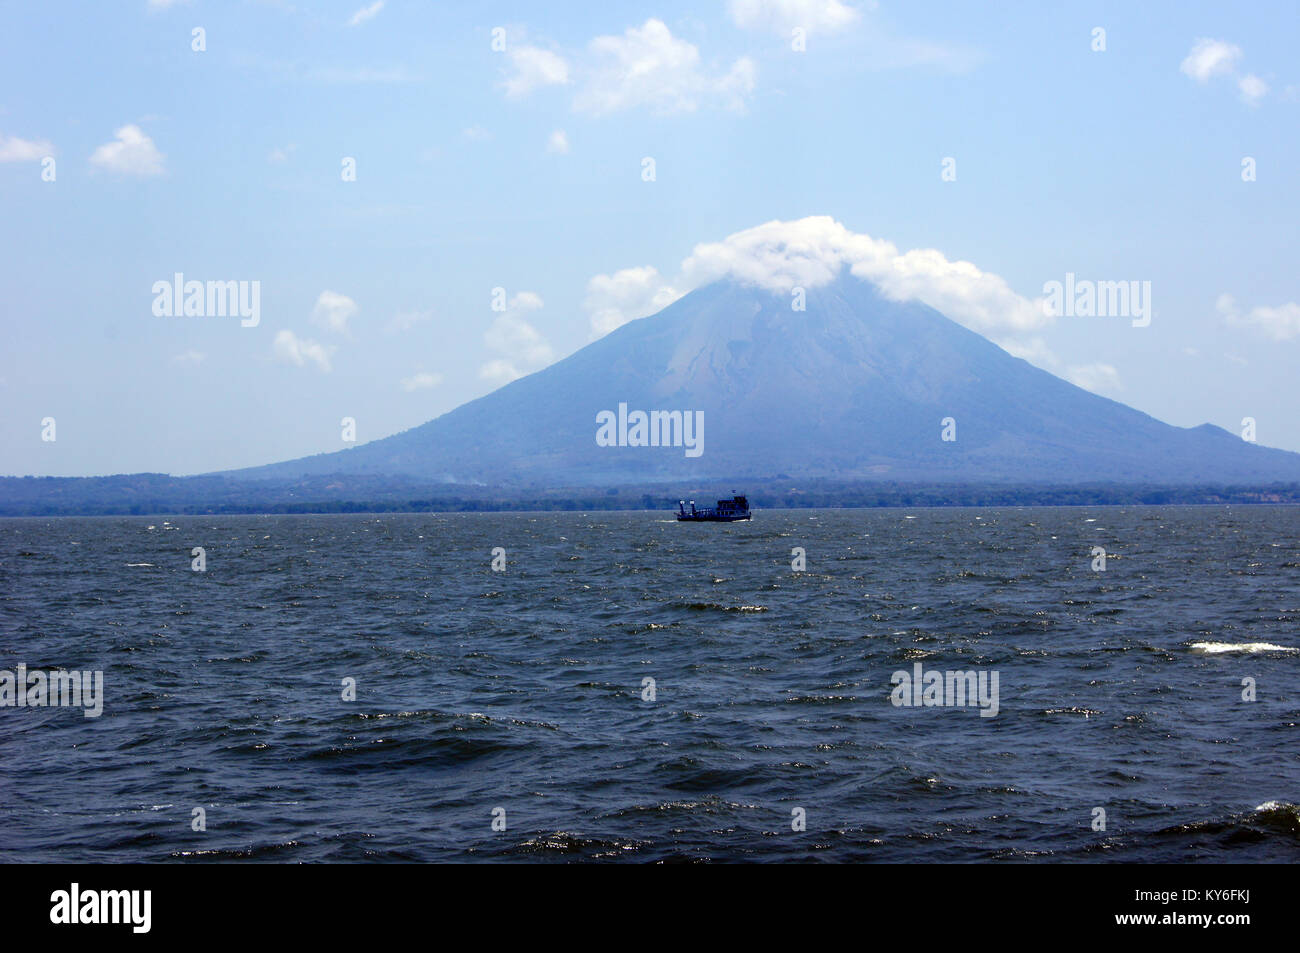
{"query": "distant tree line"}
pixel 145 494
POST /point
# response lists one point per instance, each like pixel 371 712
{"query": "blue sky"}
pixel 521 168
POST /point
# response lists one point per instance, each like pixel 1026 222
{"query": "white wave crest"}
pixel 1218 648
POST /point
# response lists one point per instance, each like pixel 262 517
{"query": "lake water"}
pixel 522 696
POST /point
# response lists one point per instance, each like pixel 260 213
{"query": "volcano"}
pixel 855 387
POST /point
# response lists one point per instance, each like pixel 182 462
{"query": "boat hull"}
pixel 727 511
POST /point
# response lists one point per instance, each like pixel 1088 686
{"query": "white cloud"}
pixel 558 143
pixel 1252 89
pixel 476 134
pixel 1098 378
pixel 291 349
pixel 332 311
pixel 782 16
pixel 499 372
pixel 876 46
pixel 534 67
pixel 405 320
pixel 813 251
pixel 524 302
pixel 421 381
pixel 519 341
pixel 647 66
pixel 780 255
pixel 1033 350
pixel 190 358
pixel 130 153
pixel 1280 323
pixel 13 149
pixel 613 300
pixel 522 347
pixel 966 294
pixel 1210 58
pixel 366 13
pixel 279 154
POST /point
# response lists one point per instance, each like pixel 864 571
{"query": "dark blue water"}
pixel 523 689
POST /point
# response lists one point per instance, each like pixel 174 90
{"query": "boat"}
pixel 727 511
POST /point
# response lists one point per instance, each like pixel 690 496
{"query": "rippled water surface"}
pixel 523 689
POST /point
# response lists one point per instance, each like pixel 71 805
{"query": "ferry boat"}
pixel 727 511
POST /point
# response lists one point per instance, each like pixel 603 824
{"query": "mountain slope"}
pixel 855 387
